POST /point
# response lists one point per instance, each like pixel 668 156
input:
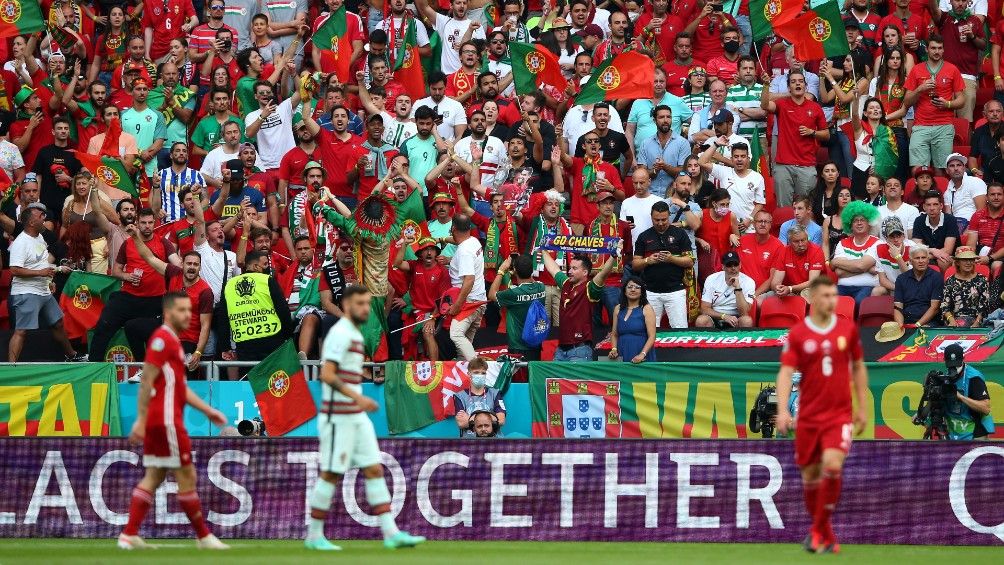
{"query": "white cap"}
pixel 955 156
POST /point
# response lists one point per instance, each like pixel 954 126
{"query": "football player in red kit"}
pixel 827 351
pixel 159 426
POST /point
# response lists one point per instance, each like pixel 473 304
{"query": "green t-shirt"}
pixel 146 126
pixel 422 158
pixel 245 95
pixel 208 133
pixel 517 301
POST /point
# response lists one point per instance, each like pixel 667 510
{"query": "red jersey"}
pixel 707 38
pixel 584 210
pixel 427 284
pixel 794 148
pixel 460 83
pixel 167 403
pixel 151 283
pixel 676 77
pixel 948 81
pixel 824 357
pixel 724 69
pixel 166 18
pixel 796 267
pixel 202 301
pixel 757 258
pixel 671 27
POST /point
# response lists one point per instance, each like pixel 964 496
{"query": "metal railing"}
pixel 212 369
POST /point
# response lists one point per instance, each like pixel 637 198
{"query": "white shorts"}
pixel 346 441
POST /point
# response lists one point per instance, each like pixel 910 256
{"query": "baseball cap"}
pixel 954 356
pixel 603 195
pixel 442 197
pixel 23 95
pixel 852 23
pixel 313 165
pixel 730 258
pixel 723 116
pixel 38 206
pixel 955 157
pixel 591 29
pixel 892 225
pixel 923 170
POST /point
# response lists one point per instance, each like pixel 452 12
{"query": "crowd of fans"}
pixel 255 159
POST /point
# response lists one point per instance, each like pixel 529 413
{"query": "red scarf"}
pixel 110 145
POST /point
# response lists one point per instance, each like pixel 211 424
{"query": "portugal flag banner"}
pixel 886 150
pixel 84 297
pixel 765 14
pixel 408 64
pixel 533 66
pixel 421 393
pixel 628 76
pixel 20 18
pixel 336 50
pixel 281 391
pixel 108 170
pixel 817 33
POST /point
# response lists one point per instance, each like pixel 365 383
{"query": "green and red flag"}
pixel 333 41
pixel 118 351
pixel 83 298
pixel 408 64
pixel 20 18
pixel 817 33
pixel 281 391
pixel 886 150
pixel 766 14
pixel 628 76
pixel 420 393
pixel 63 402
pixel 7 188
pixel 533 66
pixel 110 171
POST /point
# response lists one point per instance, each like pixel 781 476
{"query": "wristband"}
pixel 948 104
pixel 197 352
pixel 998 77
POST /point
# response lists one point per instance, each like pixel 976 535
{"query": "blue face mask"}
pixel 479 380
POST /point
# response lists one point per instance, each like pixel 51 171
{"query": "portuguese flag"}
pixel 281 391
pixel 408 65
pixel 886 151
pixel 765 14
pixel 20 18
pixel 336 50
pixel 534 66
pixel 419 393
pixel 83 299
pixel 628 76
pixel 110 171
pixel 817 33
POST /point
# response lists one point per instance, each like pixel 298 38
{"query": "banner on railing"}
pixel 80 399
pixel 689 491
pixel 714 340
pixel 705 400
pixel 925 346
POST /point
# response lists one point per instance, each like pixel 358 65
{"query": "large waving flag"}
pixel 817 33
pixel 408 64
pixel 886 150
pixel 20 18
pixel 83 298
pixel 534 66
pixel 281 391
pixel 336 49
pixel 110 171
pixel 765 14
pixel 628 76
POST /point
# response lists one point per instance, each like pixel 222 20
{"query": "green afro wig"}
pixel 858 208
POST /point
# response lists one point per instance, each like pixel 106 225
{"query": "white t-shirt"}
pixel 977 7
pixel 961 199
pixel 906 214
pixel 887 264
pixel 641 210
pixel 30 252
pixel 469 259
pixel 342 345
pixel 722 297
pixel 213 265
pixel 275 137
pixel 212 163
pixel 396 132
pixel 494 151
pixel 746 192
pixel 847 249
pixel 451 31
pixel 452 112
pixel 578 121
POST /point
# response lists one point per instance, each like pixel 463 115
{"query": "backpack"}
pixel 537 325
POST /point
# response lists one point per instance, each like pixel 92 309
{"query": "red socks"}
pixel 193 509
pixel 138 507
pixel 829 494
pixel 810 491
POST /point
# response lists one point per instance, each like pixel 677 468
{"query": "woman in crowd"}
pixel 558 41
pixel 16 62
pixel 872 116
pixel 86 205
pixel 492 127
pixel 110 50
pixel 702 187
pixel 888 87
pixel 873 190
pixel 719 229
pixel 268 49
pixel 833 226
pixel 633 332
pixel 179 56
pixel 824 196
pixel 967 293
pixel 841 93
pixel 892 40
pixel 696 88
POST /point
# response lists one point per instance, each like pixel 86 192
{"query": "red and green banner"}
pixel 20 18
pixel 766 14
pixel 110 171
pixel 336 49
pixel 928 346
pixel 281 391
pixel 83 299
pixel 817 33
pixel 533 66
pixel 421 393
pixel 628 76
pixel 886 150
pixel 715 340
pixel 408 65
pixel 707 400
pixel 59 400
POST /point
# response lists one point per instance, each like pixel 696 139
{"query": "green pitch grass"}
pixel 283 552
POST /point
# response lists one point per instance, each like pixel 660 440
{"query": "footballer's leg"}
pixel 829 493
pixel 188 498
pixel 808 455
pixel 139 505
pixel 367 456
pixel 333 440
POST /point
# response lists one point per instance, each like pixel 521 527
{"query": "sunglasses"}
pixel 498 42
pixel 216 7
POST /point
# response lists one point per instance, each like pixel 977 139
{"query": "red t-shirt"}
pixel 167 403
pixel 166 18
pixel 151 282
pixel 202 301
pixel 722 68
pixel 962 53
pixel 368 181
pixel 796 267
pixel 986 229
pixel 340 153
pixel 584 211
pixel 707 40
pixel 758 258
pixel 716 233
pixel 427 284
pixel 672 25
pixel 948 81
pixel 676 77
pixel 824 357
pixel 233 71
pixel 792 147
pixel 202 37
pixel 459 83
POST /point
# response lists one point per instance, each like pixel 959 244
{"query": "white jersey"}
pixel 344 346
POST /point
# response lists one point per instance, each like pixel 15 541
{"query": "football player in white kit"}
pixel 346 434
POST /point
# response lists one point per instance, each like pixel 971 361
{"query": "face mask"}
pixel 731 46
pixel 479 381
pixel 633 16
pixel 721 210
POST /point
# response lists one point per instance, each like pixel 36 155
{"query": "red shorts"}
pixel 811 441
pixel 166 447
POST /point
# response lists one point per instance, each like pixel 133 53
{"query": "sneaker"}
pixel 813 543
pixel 807 544
pixel 211 542
pixel 76 358
pixel 832 547
pixel 402 539
pixel 137 377
pixel 320 544
pixel 132 542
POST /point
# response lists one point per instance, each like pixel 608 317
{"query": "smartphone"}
pixel 630 219
pixel 716 7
